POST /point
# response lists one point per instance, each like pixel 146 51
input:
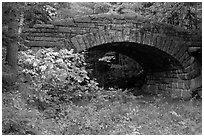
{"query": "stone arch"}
pixel 173 46
pixel 176 82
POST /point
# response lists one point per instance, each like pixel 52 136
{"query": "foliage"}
pixel 32 12
pixel 38 13
pixel 110 112
pixel 115 116
pixel 10 10
pixel 101 7
pixel 73 10
pixel 182 14
pixel 17 118
pixel 61 75
pixel 186 14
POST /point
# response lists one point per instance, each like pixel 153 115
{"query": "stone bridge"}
pixel 161 49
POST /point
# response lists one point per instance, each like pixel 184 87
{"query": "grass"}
pixel 108 114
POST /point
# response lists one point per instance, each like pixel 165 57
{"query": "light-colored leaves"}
pixel 55 70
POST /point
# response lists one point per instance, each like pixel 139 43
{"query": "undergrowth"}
pixel 54 96
pixel 104 115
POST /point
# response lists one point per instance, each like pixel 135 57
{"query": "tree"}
pixel 38 13
pixel 14 16
pixel 10 34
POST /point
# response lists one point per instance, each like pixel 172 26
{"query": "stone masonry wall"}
pixel 169 83
pixel 176 83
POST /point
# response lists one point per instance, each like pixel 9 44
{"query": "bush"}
pixel 58 76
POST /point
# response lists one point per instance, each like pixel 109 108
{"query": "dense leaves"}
pixel 61 74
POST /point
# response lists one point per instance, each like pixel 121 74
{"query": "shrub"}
pixel 57 76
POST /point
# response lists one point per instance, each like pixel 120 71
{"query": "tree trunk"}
pixel 12 48
pixel 11 56
pixel 10 72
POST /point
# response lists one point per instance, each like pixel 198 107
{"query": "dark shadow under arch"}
pixel 150 58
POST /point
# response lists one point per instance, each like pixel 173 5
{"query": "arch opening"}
pixel 159 69
pixel 114 70
pixel 150 58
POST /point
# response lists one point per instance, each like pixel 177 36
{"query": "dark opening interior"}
pixel 150 60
